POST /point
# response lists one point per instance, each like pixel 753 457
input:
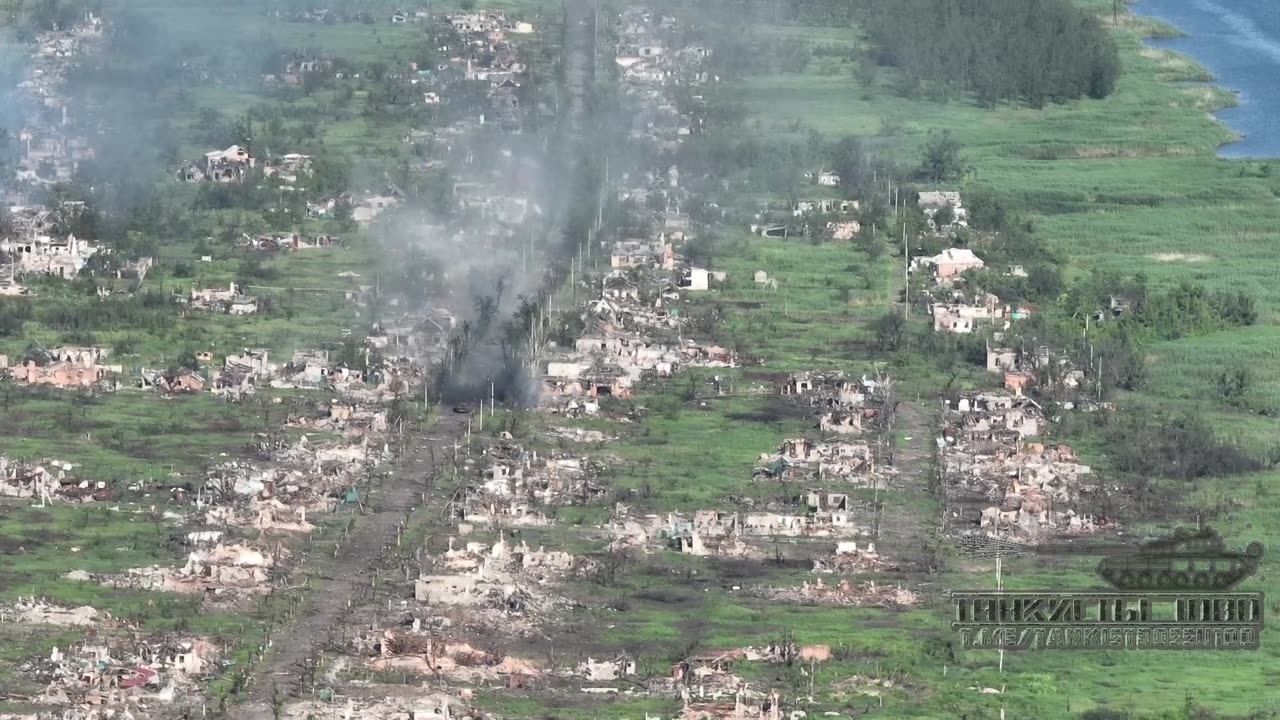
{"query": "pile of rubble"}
pixel 514 481
pixel 33 611
pixel 846 407
pixel 229 301
pixel 864 685
pixel 345 417
pixel 848 558
pixel 833 391
pixel 389 703
pixel 426 654
pixel 997 480
pixel 501 576
pixel 867 594
pixel 220 572
pixel 989 420
pixel 142 674
pixel 68 367
pixel 712 532
pixel 48 481
pixel 297 479
pixel 802 459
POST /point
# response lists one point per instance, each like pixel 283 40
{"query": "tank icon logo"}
pixel 1174 591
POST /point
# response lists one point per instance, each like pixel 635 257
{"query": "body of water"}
pixel 1239 42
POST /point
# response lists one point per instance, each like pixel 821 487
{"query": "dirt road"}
pixel 352 569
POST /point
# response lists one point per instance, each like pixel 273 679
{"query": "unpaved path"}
pixel 342 578
pixel 910 510
pixel 337 582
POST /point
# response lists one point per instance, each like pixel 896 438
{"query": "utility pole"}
pixel 906 274
pixel 1000 584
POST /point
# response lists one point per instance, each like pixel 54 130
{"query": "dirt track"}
pixel 352 569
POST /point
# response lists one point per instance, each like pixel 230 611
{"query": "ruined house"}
pixel 967 316
pixel 58 374
pixel 253 362
pixel 695 278
pixel 174 381
pixel 933 202
pixel 1026 488
pixel 992 417
pixel 288 168
pixel 230 300
pixel 949 263
pixel 45 255
pixel 230 165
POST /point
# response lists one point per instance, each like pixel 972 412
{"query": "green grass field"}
pixel 1126 184
pixel 139 442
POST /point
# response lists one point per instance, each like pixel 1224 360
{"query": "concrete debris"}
pixel 345 417
pixel 711 532
pixel 580 435
pixel 221 572
pixel 393 704
pixel 229 301
pixel 864 685
pixel 848 558
pixel 514 480
pixel 746 706
pixel 174 382
pixel 991 418
pixel 594 670
pixel 123 674
pixel 297 479
pixel 267 514
pixel 49 481
pixel 499 576
pixel 1027 489
pixel 425 654
pixel 32 611
pixel 62 374
pixel 570 406
pixel 801 458
pixel 845 593
pixel 827 386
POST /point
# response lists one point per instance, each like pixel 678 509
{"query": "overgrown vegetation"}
pixel 1093 200
pixel 1145 442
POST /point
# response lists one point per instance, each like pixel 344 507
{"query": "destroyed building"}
pixel 230 301
pixel 115 673
pixel 230 165
pixel 46 255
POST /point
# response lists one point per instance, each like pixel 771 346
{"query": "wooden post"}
pixel 906 274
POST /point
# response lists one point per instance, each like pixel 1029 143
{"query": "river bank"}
pixel 1240 45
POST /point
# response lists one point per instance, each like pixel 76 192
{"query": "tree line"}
pixel 1037 51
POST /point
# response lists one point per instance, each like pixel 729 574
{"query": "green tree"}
pixel 889 330
pixel 942 161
